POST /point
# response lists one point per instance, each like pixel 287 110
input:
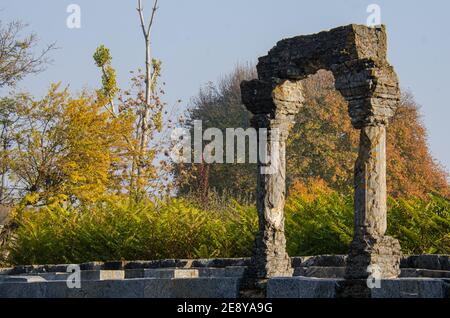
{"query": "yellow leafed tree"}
pixel 68 149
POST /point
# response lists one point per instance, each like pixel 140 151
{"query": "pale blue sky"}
pixel 199 40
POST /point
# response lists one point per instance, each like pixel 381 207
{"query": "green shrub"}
pixel 321 223
pixel 422 226
pixel 116 231
pixel 324 225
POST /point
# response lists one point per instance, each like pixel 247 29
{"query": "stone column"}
pixel 270 258
pixel 274 105
pixel 370 182
pixel 372 252
pixel 371 89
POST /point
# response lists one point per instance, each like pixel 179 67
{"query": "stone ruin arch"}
pixel 356 55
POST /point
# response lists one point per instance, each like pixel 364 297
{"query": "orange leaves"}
pixel 411 170
pixel 324 144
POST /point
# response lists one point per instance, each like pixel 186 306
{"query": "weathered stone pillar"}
pixel 270 258
pixel 370 182
pixel 371 251
pixel 274 105
pixel 371 89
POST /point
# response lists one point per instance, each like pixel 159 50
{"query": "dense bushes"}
pixel 422 226
pixel 318 221
pixel 110 231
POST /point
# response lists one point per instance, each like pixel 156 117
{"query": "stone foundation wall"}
pixel 316 276
pixel 423 262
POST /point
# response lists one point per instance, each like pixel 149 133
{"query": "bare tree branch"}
pixel 16 54
pixel 149 82
pixel 155 7
pixel 146 30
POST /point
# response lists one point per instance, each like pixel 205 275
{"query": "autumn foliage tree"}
pixel 65 149
pixel 322 144
pixel 411 168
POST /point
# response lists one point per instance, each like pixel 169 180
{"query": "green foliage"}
pixel 422 226
pixel 103 58
pixel 124 230
pixel 323 225
pixel 316 223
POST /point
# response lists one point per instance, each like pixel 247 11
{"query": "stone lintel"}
pixel 274 98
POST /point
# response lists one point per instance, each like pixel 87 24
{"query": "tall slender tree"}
pixel 141 101
pixel 152 72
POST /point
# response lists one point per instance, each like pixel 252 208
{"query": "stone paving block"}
pixel 165 263
pixel 301 287
pixel 35 269
pixel 21 269
pixel 296 261
pixel 221 262
pixel 85 275
pixel 23 290
pixel 21 279
pixel 410 288
pixel 206 288
pixel 54 276
pixel 102 275
pixel 227 262
pixel 325 261
pixel 320 272
pixel 91 266
pixel 110 289
pixel 229 271
pixel 115 265
pixel 283 287
pixel 135 273
pixel 161 273
pixel 89 289
pixel 129 288
pixel 417 272
pixel 433 262
pixel 138 265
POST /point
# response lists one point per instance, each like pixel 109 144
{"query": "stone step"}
pixel 21 279
pixel 431 262
pixel 161 273
pixel 302 287
pixel 128 288
pixel 230 271
pixel 319 261
pixel 416 272
pixel 84 275
pixel 320 272
pixel 434 262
